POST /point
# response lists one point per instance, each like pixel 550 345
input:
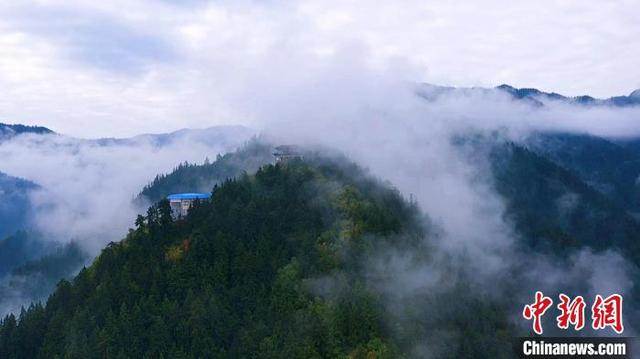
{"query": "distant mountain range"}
pixel 215 135
pixel 8 131
pixel 212 136
pixel 633 99
pixel 532 95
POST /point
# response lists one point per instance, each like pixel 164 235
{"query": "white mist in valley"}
pixel 376 117
pixel 88 187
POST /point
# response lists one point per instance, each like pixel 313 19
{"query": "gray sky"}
pixel 121 68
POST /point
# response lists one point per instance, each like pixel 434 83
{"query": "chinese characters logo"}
pixel 605 312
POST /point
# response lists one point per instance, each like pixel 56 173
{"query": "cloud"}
pixel 91 37
pixel 375 117
pixel 121 68
pixel 88 187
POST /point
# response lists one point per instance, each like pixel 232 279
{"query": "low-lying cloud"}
pixel 87 187
pixel 378 120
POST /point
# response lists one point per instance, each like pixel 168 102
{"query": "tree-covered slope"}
pixel 279 264
pixel 10 130
pixel 233 279
pixel 610 167
pixel 245 275
pixel 35 279
pixel 633 99
pixel 555 210
pixel 19 248
pixel 15 206
pixel 201 178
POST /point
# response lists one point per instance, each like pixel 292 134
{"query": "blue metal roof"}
pixel 180 196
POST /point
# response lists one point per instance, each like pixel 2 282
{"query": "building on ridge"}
pixel 181 202
pixel 286 153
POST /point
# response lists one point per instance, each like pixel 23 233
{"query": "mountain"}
pixel 274 265
pixel 226 136
pixel 20 248
pixel 8 131
pixel 83 158
pixel 562 192
pixel 35 279
pixel 612 167
pixel 279 261
pixel 555 210
pixel 284 259
pixel 531 96
pixel 15 206
pixel 201 178
pixel 212 136
pixel 632 99
pixel 105 171
pixel 540 96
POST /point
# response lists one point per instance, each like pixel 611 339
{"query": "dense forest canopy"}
pixel 283 261
pixel 240 276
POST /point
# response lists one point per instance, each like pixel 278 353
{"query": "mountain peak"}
pixel 505 87
pixel 10 130
pixel 541 96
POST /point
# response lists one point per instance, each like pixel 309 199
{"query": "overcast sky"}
pixel 119 68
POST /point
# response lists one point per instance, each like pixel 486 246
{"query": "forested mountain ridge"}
pixel 10 130
pixel 36 278
pixel 555 210
pixel 45 173
pixel 15 207
pixel 201 178
pixel 224 135
pixel 633 99
pixel 277 264
pixel 531 96
pixel 19 248
pixel 612 167
pixel 236 277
